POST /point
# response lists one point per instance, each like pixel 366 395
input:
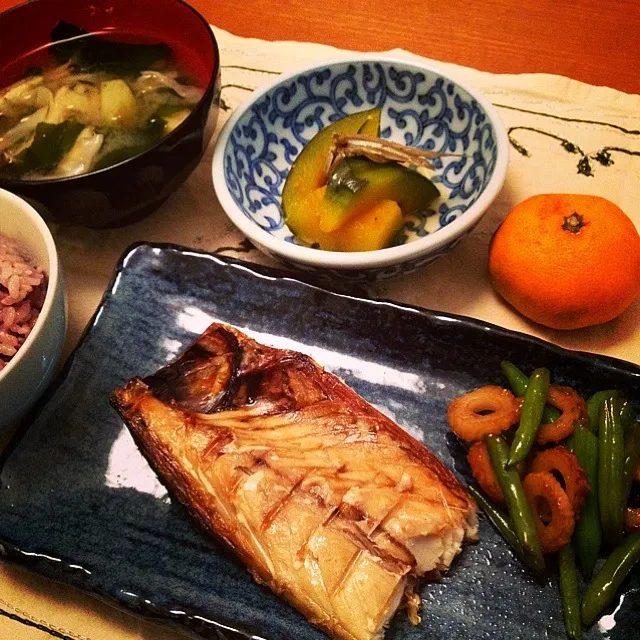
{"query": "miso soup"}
pixel 90 101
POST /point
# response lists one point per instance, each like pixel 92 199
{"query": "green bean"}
pixel 569 592
pixel 530 416
pixel 504 526
pixel 519 382
pixel 628 417
pixel 605 585
pixel 517 505
pixel 610 470
pixel 588 535
pixel 631 456
pixel 594 405
pixel 498 519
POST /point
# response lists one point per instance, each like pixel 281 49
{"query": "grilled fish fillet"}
pixel 325 499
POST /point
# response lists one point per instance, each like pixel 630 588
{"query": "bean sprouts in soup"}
pixel 95 101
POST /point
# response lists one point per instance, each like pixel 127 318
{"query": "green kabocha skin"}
pixel 517 504
pixel 604 586
pixel 570 592
pixel 308 170
pixel 588 534
pixel 611 469
pixel 388 180
pixel 518 381
pixel 530 416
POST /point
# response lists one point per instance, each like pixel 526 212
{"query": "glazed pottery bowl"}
pixel 30 370
pixel 421 106
pixel 126 191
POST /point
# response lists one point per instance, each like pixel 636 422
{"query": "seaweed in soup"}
pixel 92 53
pixel 96 103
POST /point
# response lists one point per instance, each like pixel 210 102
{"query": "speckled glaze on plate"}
pixel 79 503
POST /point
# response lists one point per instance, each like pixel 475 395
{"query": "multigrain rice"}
pixel 23 285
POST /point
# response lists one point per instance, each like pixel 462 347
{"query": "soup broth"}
pixel 88 101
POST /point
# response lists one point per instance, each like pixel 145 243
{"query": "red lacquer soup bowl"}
pixel 136 186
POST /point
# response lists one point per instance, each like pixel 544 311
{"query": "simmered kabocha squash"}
pixel 373 229
pixel 360 205
pixel 308 172
pixel 375 182
pixel 303 218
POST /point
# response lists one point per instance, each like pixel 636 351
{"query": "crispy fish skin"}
pixel 325 499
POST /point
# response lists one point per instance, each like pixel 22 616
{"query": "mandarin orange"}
pixel 566 261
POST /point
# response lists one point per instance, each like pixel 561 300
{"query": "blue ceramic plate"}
pixel 80 504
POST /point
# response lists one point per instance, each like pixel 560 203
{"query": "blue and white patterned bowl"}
pixel 421 106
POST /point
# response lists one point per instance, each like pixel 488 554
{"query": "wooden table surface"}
pixel 588 40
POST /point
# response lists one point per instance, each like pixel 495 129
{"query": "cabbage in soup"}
pixel 95 102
